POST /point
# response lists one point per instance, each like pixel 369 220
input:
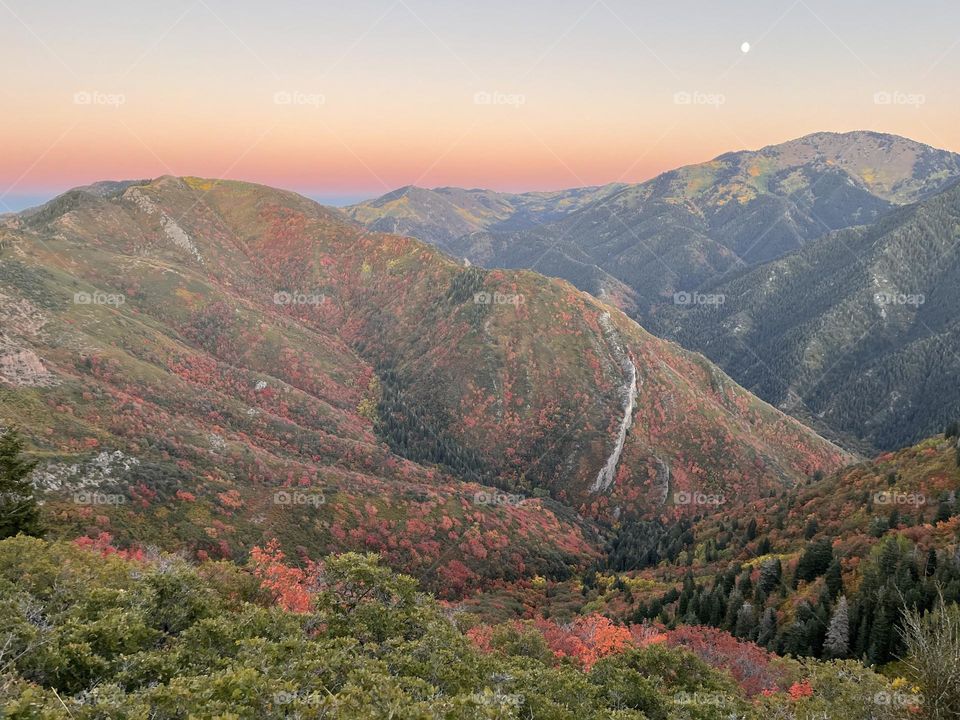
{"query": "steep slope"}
pixel 854 332
pixel 187 339
pixel 881 534
pixel 692 225
pixel 172 408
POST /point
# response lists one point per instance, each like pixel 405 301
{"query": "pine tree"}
pixel 815 560
pixel 734 604
pixel 943 512
pixel 746 625
pixel 19 511
pixel 834 579
pixel 770 573
pixel 837 644
pixel 768 628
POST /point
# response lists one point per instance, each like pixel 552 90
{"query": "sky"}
pixel 350 99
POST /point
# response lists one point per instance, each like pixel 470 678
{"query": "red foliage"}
pixel 290 586
pixel 103 545
pixel 748 663
pixel 586 639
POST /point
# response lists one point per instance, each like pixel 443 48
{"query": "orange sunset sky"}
pixel 343 101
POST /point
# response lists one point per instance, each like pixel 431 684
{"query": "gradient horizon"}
pixel 343 103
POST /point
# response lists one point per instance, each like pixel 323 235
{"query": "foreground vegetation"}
pixel 96 633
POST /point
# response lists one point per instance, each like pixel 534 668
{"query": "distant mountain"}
pixel 858 332
pixel 224 362
pixel 442 215
pixel 690 226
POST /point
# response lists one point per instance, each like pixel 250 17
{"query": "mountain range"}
pixel 857 332
pixel 695 245
pixel 205 365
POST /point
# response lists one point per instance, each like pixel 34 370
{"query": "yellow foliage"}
pixel 199 183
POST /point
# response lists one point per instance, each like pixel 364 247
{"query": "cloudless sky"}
pixel 349 99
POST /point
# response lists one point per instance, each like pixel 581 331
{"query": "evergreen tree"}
pixel 734 604
pixel 815 561
pixel 837 644
pixel 19 511
pixel 771 572
pixel 834 579
pixel 746 624
pixel 943 512
pixel 768 628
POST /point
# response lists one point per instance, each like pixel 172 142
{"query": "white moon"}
pixel 745 47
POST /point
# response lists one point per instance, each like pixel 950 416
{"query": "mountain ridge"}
pixel 264 344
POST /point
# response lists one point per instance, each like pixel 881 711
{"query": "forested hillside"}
pixel 856 333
